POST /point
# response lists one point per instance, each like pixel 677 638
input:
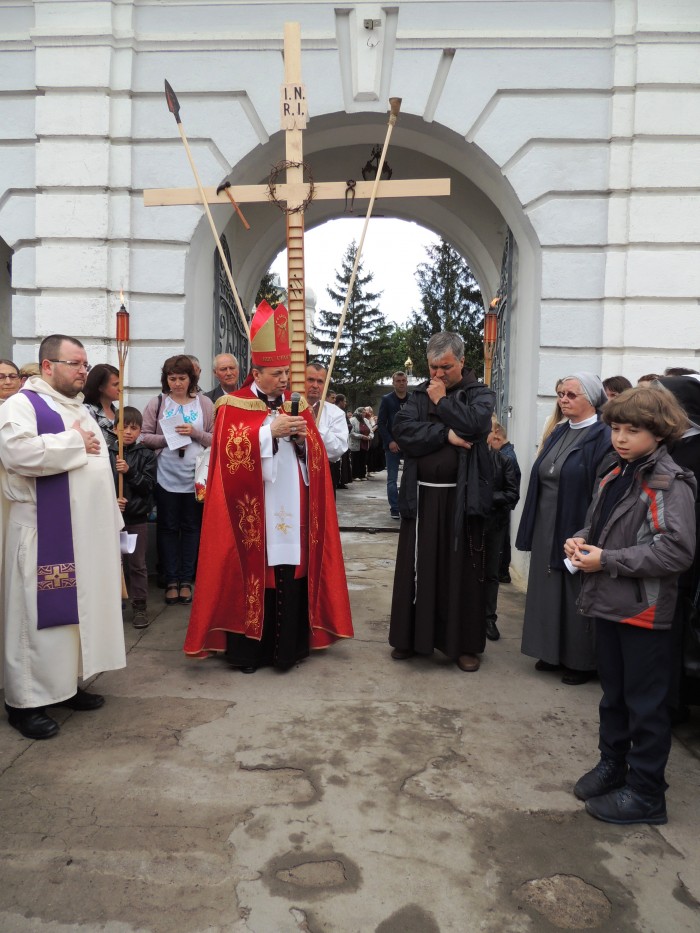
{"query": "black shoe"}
pixel 174 590
pixel 248 669
pixel 606 776
pixel 505 578
pixel 574 678
pixel 33 723
pixel 625 805
pixel 399 655
pixel 187 598
pixel 492 632
pixel 82 701
pixel 546 666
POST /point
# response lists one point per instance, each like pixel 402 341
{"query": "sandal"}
pixel 185 600
pixel 171 594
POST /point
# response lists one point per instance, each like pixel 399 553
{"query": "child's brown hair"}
pixel 654 409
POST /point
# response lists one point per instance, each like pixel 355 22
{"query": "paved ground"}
pixel 352 794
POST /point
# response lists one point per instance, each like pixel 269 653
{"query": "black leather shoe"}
pixel 248 669
pixel 606 776
pixel 492 632
pixel 546 666
pixel 32 723
pixel 399 655
pixel 625 805
pixel 574 678
pixel 82 701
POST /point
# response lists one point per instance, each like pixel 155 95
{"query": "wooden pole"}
pixel 174 107
pixel 122 353
pixel 395 106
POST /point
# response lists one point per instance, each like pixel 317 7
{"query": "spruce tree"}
pixel 269 290
pixel 366 336
pixel 450 300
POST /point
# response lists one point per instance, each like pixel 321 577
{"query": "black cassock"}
pixel 439 594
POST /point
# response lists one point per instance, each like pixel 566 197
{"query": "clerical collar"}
pixel 586 423
pixel 272 403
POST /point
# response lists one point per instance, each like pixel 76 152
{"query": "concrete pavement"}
pixel 351 794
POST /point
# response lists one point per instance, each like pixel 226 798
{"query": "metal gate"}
pixel 229 336
pixel 499 373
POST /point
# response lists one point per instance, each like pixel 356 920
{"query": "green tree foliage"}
pixel 450 300
pixel 369 348
pixel 268 291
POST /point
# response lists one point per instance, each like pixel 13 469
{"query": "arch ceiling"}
pixel 474 218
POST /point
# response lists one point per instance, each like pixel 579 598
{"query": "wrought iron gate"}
pixel 229 336
pixel 499 373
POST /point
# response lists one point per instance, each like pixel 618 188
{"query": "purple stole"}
pixel 56 592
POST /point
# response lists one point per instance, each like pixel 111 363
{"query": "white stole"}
pixel 282 501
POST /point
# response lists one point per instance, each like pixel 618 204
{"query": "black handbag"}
pixel 691 634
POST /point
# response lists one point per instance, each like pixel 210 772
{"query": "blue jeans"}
pixel 392 475
pixel 179 524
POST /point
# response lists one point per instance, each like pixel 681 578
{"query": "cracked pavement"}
pixel 351 794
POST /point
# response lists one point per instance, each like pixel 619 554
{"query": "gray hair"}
pixel 445 342
pixel 219 356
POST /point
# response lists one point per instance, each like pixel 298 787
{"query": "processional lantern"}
pixel 490 337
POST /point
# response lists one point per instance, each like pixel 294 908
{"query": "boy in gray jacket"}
pixel 638 537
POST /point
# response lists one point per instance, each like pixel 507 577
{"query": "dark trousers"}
pixel 136 563
pixel 504 568
pixel 634 665
pixel 179 524
pixel 495 529
pixel 392 476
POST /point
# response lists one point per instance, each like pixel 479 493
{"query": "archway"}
pixel 475 219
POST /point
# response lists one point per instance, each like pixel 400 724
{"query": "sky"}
pixel 392 251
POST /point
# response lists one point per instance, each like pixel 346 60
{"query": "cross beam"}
pixel 294 191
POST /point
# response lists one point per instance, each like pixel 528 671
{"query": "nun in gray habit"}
pixel 562 484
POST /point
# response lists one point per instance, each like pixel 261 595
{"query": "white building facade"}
pixel 573 124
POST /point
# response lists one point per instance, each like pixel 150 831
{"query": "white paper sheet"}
pixel 174 440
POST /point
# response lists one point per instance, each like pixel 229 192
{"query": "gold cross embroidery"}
pixel 282 525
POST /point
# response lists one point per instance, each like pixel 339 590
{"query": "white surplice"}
pixel 42 667
pixel 333 428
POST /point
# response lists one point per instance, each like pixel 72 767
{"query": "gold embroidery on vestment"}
pixel 252 609
pixel 56 577
pixel 248 509
pixel 239 449
pixel 283 526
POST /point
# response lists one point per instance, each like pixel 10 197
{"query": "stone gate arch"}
pixel 475 218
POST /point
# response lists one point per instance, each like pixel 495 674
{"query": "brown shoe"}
pixel 399 655
pixel 468 663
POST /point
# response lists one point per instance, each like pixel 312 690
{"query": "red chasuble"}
pixel 231 570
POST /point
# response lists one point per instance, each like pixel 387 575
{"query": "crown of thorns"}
pixel 272 185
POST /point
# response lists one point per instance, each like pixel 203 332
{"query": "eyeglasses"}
pixel 571 395
pixel 74 364
pixel 11 377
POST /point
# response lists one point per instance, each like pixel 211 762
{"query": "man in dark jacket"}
pixel 388 407
pixel 226 374
pixel 138 467
pixel 506 492
pixel 446 493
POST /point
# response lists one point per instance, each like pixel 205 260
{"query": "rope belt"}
pixel 438 485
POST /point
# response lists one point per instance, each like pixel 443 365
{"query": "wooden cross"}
pixel 295 193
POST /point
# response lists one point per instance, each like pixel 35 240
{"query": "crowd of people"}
pixel 242 482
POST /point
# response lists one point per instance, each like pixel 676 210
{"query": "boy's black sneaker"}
pixel 626 805
pixel 606 776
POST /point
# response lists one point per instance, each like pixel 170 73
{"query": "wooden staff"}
pixel 174 108
pixel 122 352
pixel 395 107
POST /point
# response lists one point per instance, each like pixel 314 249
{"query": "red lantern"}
pixel 490 337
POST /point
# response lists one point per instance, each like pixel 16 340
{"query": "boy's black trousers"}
pixel 634 665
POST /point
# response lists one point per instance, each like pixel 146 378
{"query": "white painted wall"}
pixel 574 122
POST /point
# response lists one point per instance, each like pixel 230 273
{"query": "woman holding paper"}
pixel 178 424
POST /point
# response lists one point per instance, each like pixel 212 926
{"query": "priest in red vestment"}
pixel 270 577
